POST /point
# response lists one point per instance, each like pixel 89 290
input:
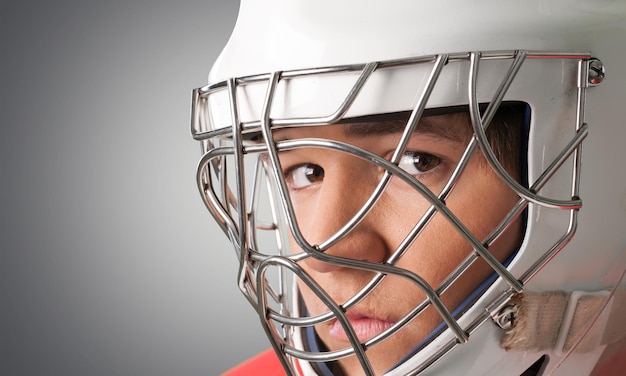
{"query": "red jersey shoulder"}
pixel 264 364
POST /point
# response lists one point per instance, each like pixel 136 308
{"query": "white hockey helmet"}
pixel 557 302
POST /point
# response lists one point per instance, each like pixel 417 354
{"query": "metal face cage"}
pixel 244 187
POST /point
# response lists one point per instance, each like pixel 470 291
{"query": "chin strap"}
pixel 560 321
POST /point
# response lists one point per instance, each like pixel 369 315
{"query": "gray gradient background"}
pixel 109 263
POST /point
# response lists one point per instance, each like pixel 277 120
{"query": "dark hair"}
pixel 507 136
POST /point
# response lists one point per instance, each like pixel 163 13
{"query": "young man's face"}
pixel 328 187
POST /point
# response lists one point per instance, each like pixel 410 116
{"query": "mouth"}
pixel 364 327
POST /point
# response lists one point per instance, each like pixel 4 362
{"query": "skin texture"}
pixel 328 187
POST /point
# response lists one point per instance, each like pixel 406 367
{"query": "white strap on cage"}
pixel 556 320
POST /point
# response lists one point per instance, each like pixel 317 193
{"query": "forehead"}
pixel 452 126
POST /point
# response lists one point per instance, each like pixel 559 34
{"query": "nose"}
pixel 346 187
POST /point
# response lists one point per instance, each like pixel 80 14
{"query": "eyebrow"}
pixel 454 127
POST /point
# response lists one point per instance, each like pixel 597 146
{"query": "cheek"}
pixel 482 208
pixel 485 209
pixel 304 203
pixel 481 202
pixel 436 252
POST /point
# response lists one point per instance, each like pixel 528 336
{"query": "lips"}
pixel 364 327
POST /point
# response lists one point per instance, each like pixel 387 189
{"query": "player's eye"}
pixel 304 175
pixel 418 163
